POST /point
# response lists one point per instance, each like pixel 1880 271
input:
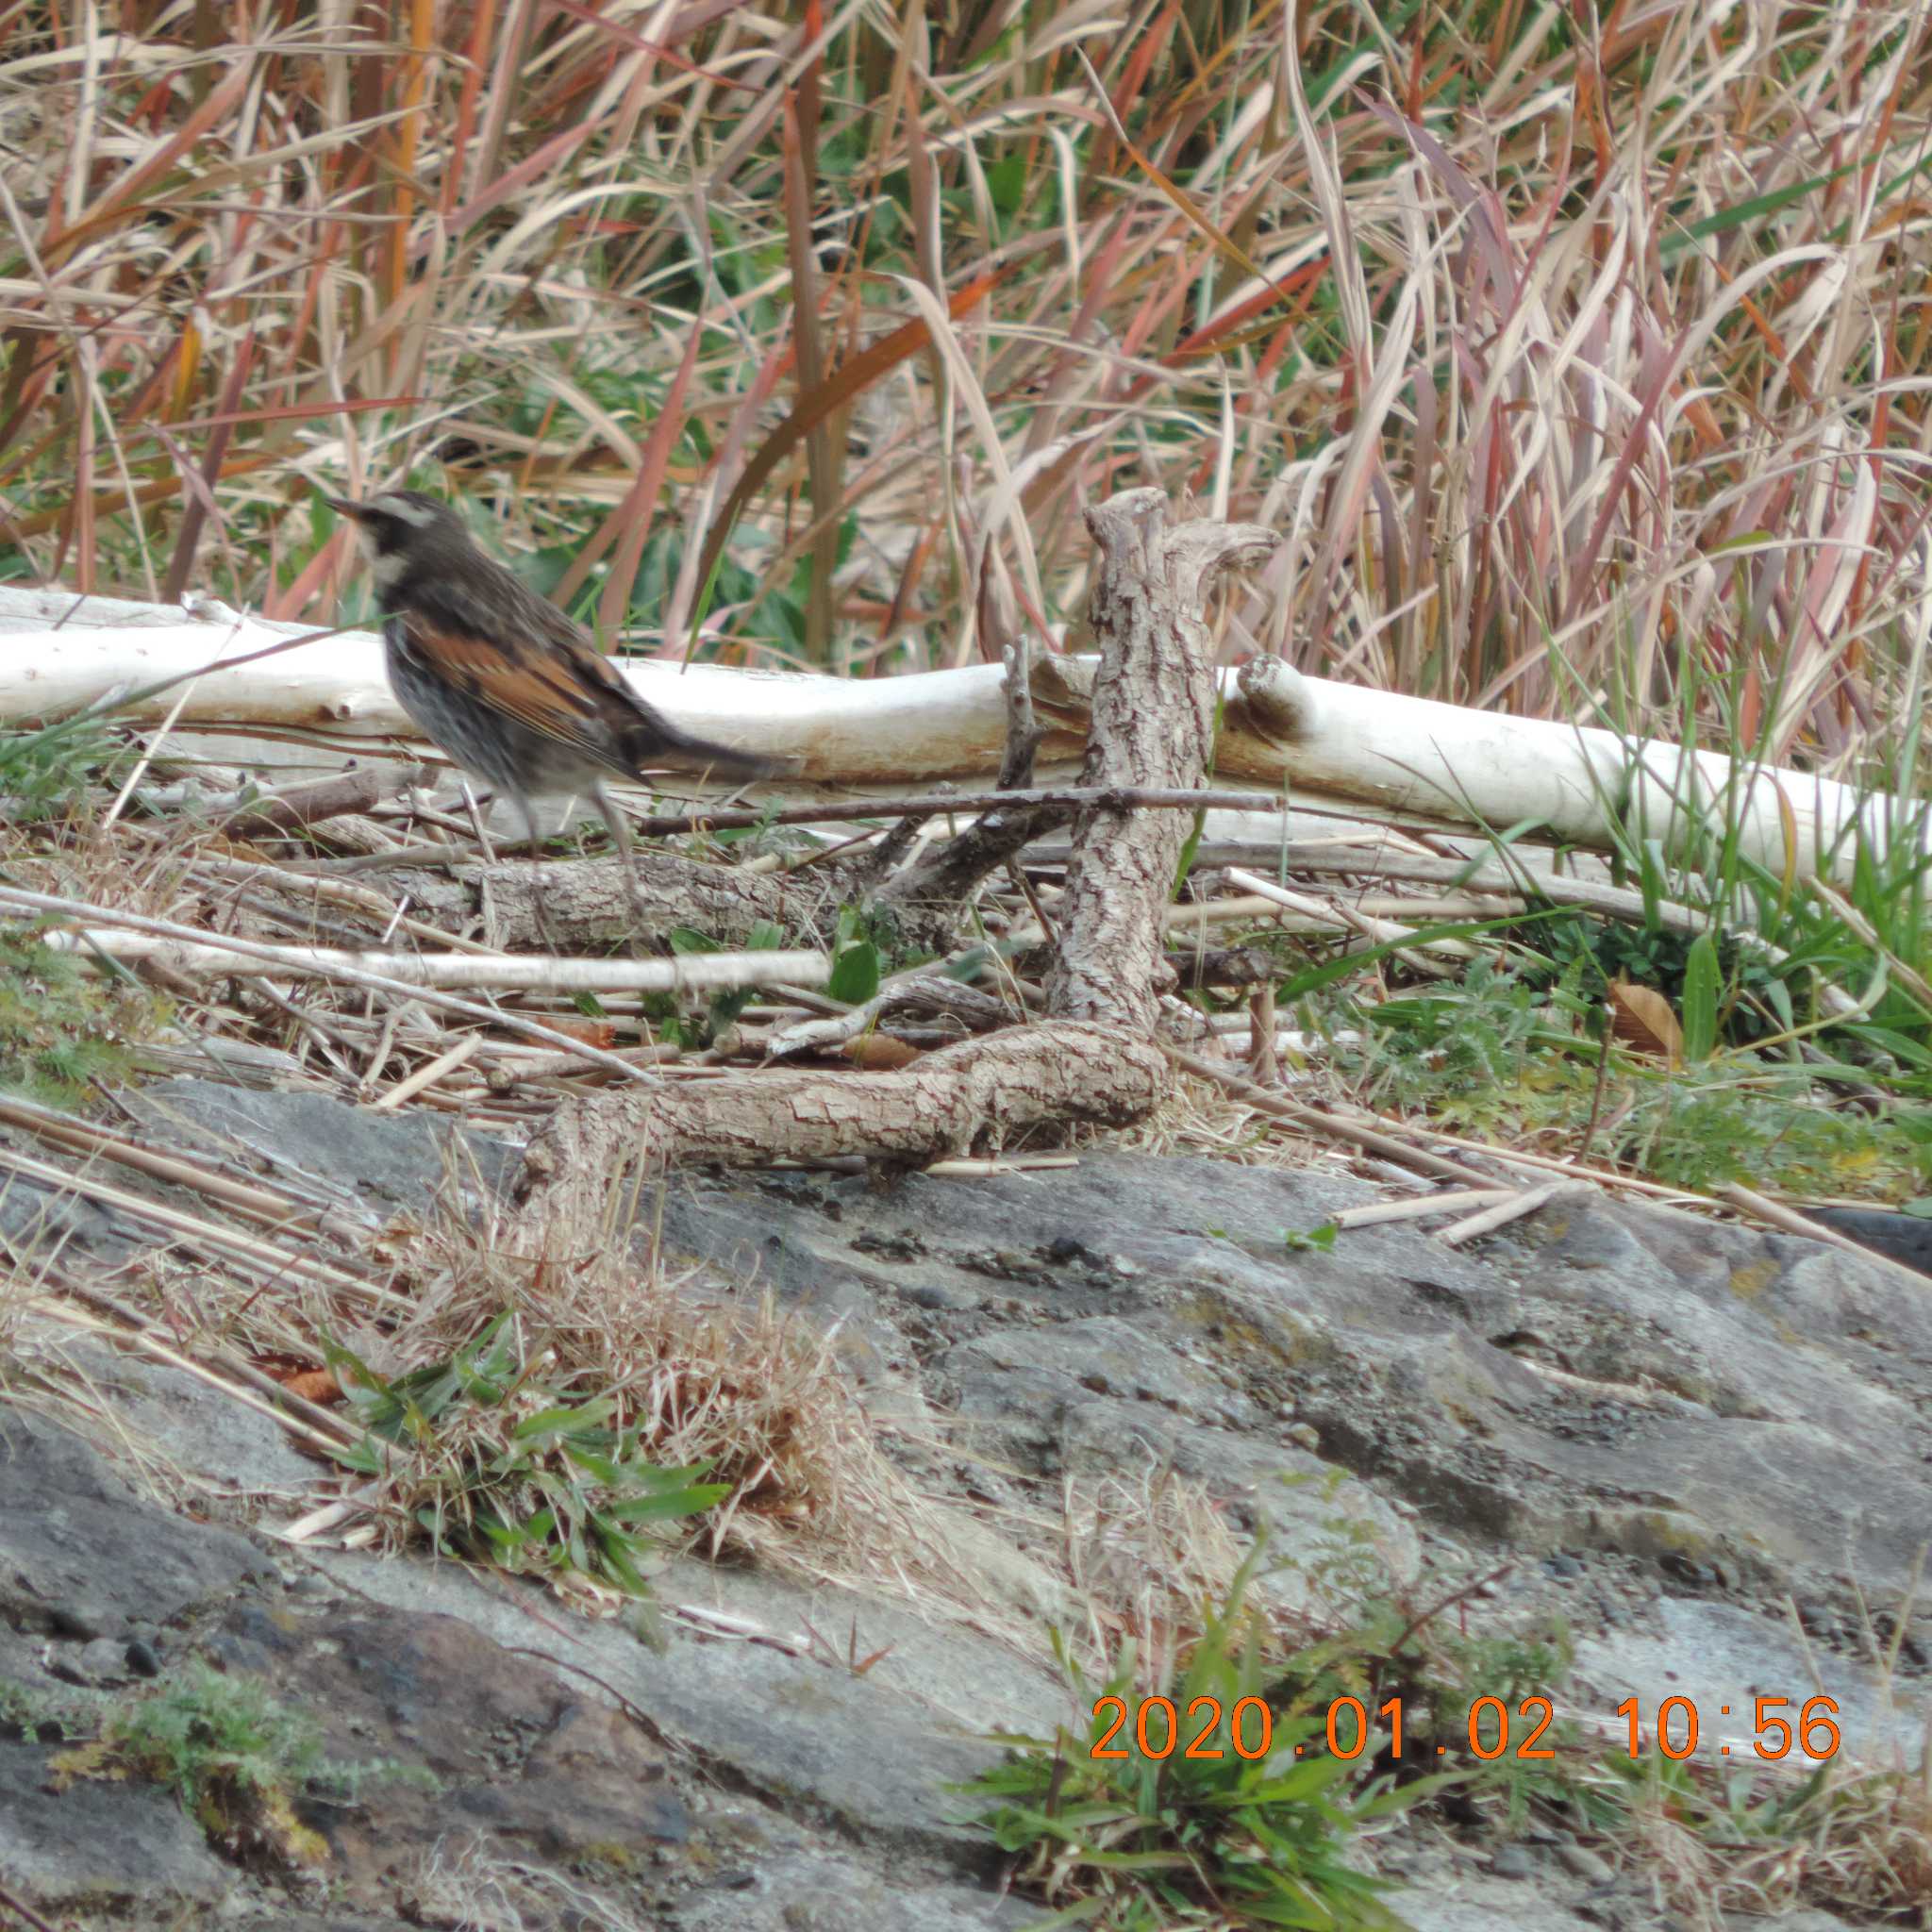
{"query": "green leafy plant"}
pixel 1515 1052
pixel 723 1008
pixel 1261 1833
pixel 32 1712
pixel 44 770
pixel 1319 1239
pixel 235 1755
pixel 856 962
pixel 63 1030
pixel 217 1740
pixel 490 1466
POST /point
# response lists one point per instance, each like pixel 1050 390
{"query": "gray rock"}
pixel 873 1755
pixel 1307 1508
pixel 225 1445
pixel 81 1555
pixel 36 1218
pixel 1482 1904
pixel 1581 1862
pixel 99 1845
pixel 1626 1405
pixel 379 1162
pixel 809 1892
pixel 1722 1660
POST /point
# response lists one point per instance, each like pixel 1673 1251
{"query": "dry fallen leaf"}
pixel 313 1385
pixel 599 1033
pixel 1643 1021
pixel 879 1051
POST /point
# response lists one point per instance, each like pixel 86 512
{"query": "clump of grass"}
pixel 1227 1811
pixel 1512 1053
pixel 1851 1839
pixel 490 1462
pixel 63 1030
pixel 1162 1823
pixel 43 770
pixel 702 1373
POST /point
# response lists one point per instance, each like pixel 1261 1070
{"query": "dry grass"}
pixel 710 1375
pixel 1593 341
pixel 1200 1118
pixel 1855 1839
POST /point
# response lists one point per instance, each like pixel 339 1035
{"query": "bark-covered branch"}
pixel 1153 724
pixel 1094 1058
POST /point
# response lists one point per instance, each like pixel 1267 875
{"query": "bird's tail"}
pixel 700 755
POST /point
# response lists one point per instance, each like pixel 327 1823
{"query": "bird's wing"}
pixel 560 688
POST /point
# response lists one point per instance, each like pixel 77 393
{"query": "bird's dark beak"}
pixel 346 507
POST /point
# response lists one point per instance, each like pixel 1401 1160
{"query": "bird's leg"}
pixel 529 812
pixel 620 831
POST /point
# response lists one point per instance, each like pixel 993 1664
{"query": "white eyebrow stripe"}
pixel 416 514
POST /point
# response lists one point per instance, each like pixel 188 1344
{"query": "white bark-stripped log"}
pixel 1344 746
pixel 494 972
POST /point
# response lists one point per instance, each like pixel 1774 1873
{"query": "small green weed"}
pixel 234 1755
pixel 30 1712
pixel 491 1467
pixel 43 770
pixel 1511 1055
pixel 61 1029
pixel 213 1738
pixel 1214 1798
pixel 1319 1239
pixel 1849 1839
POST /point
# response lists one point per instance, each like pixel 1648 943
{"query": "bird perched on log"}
pixel 504 681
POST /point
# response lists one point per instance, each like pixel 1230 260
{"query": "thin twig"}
pixel 517 972
pixel 448 1003
pixel 24 1911
pixel 1500 1213
pixel 932 804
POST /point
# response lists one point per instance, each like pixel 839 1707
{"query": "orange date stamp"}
pixel 1155 1728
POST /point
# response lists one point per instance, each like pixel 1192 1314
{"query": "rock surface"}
pixel 1669 1430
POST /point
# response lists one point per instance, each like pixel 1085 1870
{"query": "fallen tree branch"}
pixel 979 1094
pixel 1094 1059
pixel 1348 745
pixel 501 971
pixel 359 789
pixel 1153 710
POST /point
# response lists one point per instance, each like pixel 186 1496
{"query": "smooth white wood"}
pixel 1344 747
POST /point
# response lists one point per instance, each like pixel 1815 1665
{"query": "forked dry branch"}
pixel 1094 1057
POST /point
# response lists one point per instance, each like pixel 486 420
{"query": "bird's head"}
pixel 403 530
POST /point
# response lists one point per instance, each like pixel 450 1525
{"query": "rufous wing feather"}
pixel 540 687
pixel 564 689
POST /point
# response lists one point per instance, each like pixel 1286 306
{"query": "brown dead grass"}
pixel 1576 353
